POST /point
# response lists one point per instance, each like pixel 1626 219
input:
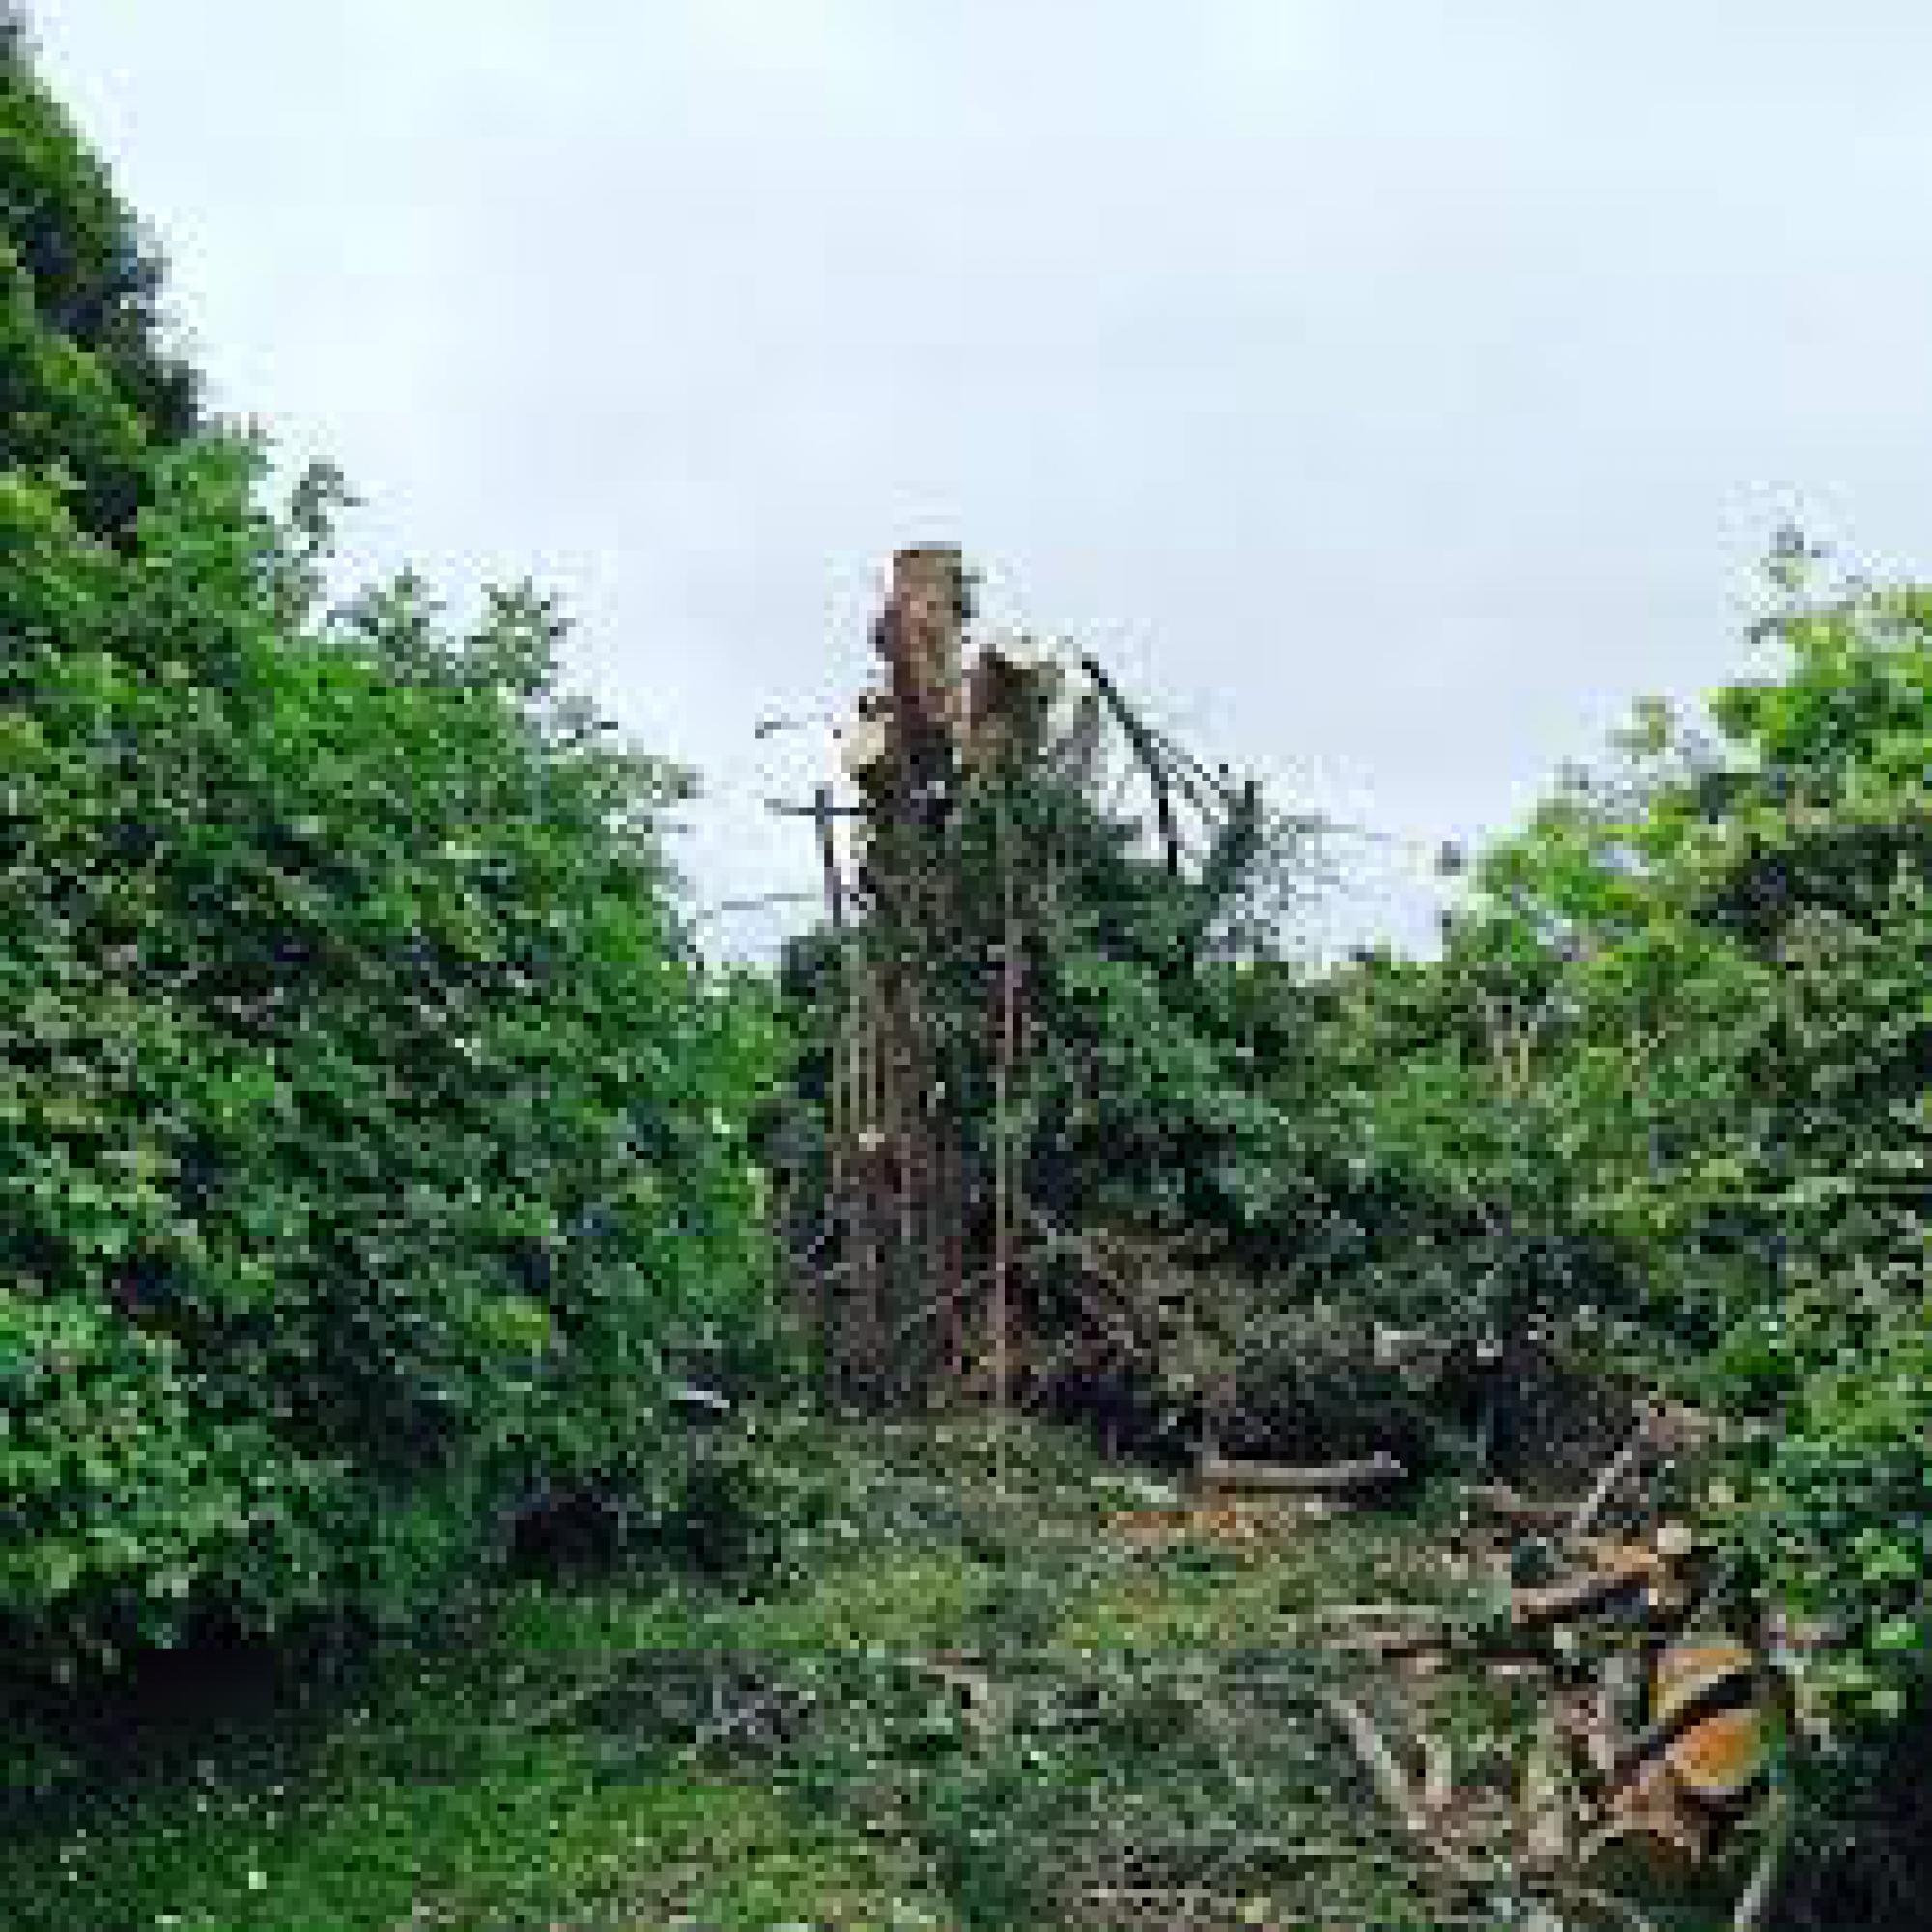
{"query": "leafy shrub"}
pixel 86 381
pixel 1679 1037
pixel 371 1145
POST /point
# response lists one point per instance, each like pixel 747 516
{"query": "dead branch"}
pixel 1557 1602
pixel 1608 1481
pixel 1365 1472
pixel 1676 1428
pixel 1428 1653
pixel 1621 1910
pixel 1383 1630
pixel 1754 1904
pixel 1438 1774
pixel 1372 1749
pixel 1393 1787
pixel 980 1699
pixel 1546 1809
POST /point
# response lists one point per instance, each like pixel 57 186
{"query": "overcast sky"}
pixel 1390 390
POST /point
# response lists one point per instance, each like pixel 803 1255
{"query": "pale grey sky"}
pixel 1390 389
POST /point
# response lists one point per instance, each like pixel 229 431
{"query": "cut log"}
pixel 1575 1596
pixel 1709 1723
pixel 1367 1472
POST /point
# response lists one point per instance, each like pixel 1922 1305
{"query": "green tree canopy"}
pixel 373 1142
pixel 88 385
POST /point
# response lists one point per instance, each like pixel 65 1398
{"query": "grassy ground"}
pixel 645 1752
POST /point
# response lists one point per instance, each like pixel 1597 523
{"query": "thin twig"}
pixel 1754 1905
pixel 1608 1481
pixel 1373 1752
pixel 1608 1903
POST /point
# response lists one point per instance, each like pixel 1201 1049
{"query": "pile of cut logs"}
pixel 1646 1766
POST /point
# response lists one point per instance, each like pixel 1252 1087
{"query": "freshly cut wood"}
pixel 1612 1552
pixel 1222 1473
pixel 1577 1595
pixel 1222 1522
pixel 1709 1725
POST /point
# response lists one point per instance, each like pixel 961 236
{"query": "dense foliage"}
pixel 1125 1108
pixel 373 1144
pixel 1665 1090
pixel 1655 1117
pixel 374 1150
pixel 88 385
pixel 1722 961
pixel 372 1139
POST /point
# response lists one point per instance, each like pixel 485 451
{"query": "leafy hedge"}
pixel 373 1146
pixel 371 1142
pixel 1664 1096
pixel 87 380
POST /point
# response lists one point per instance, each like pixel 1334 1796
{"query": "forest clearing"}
pixel 1056 1405
pixel 986 1695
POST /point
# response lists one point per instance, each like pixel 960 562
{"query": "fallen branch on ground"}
pixel 1392 1785
pixel 1557 1602
pixel 1169 1898
pixel 1220 1472
pixel 1610 1479
pixel 1438 1774
pixel 1753 1908
pixel 1386 1630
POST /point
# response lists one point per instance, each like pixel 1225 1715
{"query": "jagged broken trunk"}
pixel 975 767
